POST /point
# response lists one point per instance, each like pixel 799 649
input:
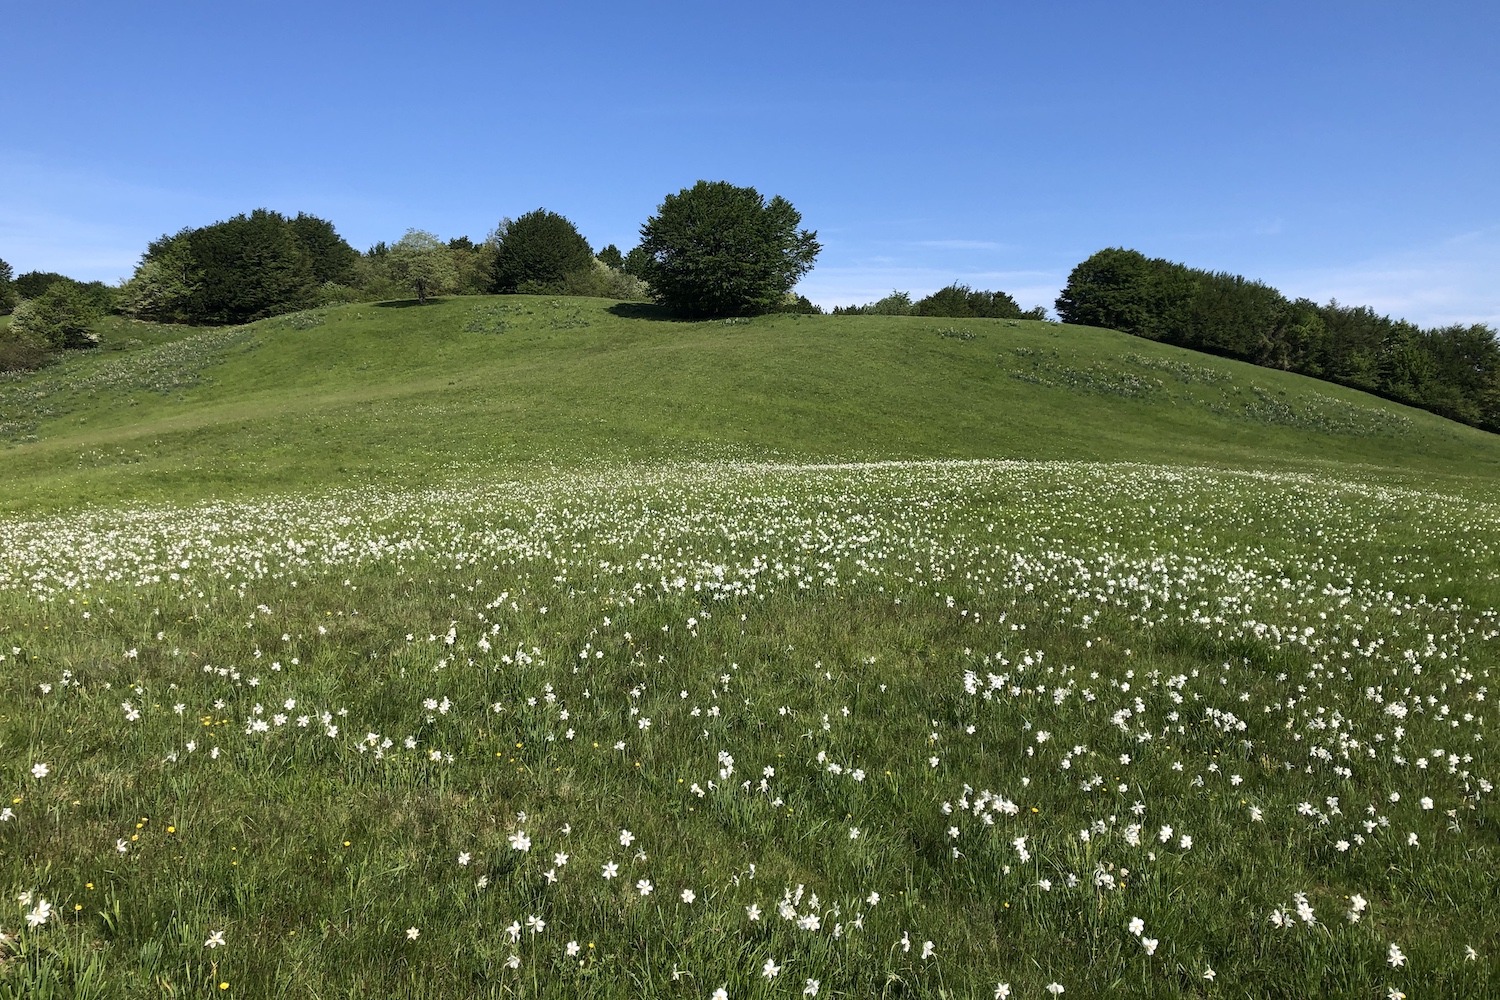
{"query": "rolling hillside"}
pixel 391 392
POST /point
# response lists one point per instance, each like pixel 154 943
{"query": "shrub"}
pixel 604 282
pixel 719 250
pixel 962 302
pixel 534 252
pixel 61 317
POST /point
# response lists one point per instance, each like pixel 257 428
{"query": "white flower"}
pixel 536 925
pixel 812 987
pixel 463 857
pixel 38 916
pixel 1137 926
pixel 1055 988
pixel 610 870
pixel 1209 974
pixel 40 771
pixel 688 895
pixel 1395 957
pixel 1150 945
pixel 572 949
pixel 644 887
pixel 753 911
pixel 770 970
pixel 513 962
pixel 626 838
pixel 215 940
pixel 412 933
pixel 928 948
pixel 519 841
pixel 720 994
pixel 1002 991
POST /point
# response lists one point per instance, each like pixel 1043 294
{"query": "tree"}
pixel 329 256
pixel 719 250
pixel 963 302
pixel 424 262
pixel 534 252
pixel 61 317
pixel 612 257
pixel 7 294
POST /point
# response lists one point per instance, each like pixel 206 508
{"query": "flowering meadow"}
pixel 921 729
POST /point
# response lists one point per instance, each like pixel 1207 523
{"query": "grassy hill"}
pixel 397 393
pixel 529 647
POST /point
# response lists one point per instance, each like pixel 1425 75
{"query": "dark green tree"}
pixel 534 253
pixel 329 255
pixel 33 284
pixel 963 302
pixel 7 292
pixel 612 257
pixel 719 250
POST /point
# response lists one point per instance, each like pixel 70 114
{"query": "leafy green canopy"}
pixel 719 250
pixel 536 251
pixel 956 301
pixel 62 316
pixel 242 269
pixel 424 262
pixel 7 287
pixel 1453 371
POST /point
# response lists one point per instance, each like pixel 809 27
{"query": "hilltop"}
pixel 397 393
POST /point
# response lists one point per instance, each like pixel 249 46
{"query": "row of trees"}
pixel 1451 370
pixel 956 301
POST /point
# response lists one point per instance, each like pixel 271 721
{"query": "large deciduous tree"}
pixel 715 249
pixel 424 262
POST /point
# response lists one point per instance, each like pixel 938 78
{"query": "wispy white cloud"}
pixel 1456 280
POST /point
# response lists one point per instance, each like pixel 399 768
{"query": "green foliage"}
pixel 423 262
pixel 1453 371
pixel 474 264
pixel 962 302
pixel 329 257
pixel 604 282
pixel 719 250
pixel 61 317
pixel 33 284
pixel 242 269
pixel 7 288
pixel 535 251
pixel 612 257
pixel 895 304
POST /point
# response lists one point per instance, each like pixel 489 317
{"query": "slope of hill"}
pixel 391 392
pixel 397 652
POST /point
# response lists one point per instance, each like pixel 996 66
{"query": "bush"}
pixel 719 250
pixel 534 252
pixel 604 282
pixel 962 302
pixel 61 317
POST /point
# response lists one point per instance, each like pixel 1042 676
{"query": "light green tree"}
pixel 424 262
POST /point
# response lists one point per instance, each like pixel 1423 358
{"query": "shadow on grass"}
pixel 405 303
pixel 646 310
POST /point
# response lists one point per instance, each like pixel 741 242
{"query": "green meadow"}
pixel 533 646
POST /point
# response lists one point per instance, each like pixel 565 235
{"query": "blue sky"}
pixel 1341 150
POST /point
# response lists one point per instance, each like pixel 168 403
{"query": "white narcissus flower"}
pixel 412 933
pixel 40 771
pixel 215 940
